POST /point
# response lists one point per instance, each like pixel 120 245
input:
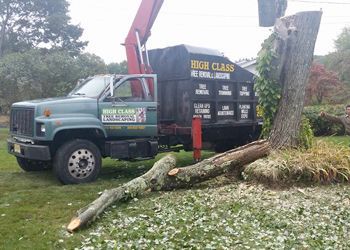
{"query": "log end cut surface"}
pixel 73 224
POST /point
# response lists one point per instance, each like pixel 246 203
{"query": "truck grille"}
pixel 22 121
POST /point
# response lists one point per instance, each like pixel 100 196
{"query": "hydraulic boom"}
pixel 135 42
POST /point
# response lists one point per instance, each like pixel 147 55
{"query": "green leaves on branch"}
pixel 269 90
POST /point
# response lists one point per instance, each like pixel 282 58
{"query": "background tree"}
pixel 41 73
pixel 118 68
pixel 30 24
pixel 339 61
pixel 90 64
pixel 342 43
pixel 322 84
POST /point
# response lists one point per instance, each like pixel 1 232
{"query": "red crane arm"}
pixel 135 42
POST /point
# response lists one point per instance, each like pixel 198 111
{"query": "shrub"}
pixel 323 163
pixel 306 134
pixel 321 126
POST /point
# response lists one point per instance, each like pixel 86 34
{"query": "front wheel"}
pixel 77 161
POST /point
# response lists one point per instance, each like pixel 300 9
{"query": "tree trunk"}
pixel 164 176
pixel 2 39
pixel 3 29
pixel 296 37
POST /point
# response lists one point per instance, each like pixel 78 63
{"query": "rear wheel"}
pixel 33 165
pixel 77 161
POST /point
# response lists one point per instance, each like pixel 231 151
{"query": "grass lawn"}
pixel 35 207
pixel 338 140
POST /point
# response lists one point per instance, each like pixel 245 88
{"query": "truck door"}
pixel 132 111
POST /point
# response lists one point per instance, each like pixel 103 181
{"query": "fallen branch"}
pixel 164 176
pixel 127 191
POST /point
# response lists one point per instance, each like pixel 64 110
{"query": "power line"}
pixel 342 23
pixel 206 15
pixel 213 26
pixel 321 2
pixel 324 16
pixel 229 16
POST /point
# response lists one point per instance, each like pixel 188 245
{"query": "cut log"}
pixel 164 176
pixel 216 165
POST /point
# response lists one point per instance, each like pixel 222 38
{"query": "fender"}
pixel 57 123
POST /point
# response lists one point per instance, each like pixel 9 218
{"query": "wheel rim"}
pixel 81 164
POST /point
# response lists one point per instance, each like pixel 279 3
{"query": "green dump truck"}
pixel 137 116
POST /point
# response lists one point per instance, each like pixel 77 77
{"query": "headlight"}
pixel 40 129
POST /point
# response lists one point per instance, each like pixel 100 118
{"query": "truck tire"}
pixel 33 165
pixel 77 161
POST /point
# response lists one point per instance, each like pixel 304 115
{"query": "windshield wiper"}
pixel 78 94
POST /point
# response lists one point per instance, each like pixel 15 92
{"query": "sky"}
pixel 230 26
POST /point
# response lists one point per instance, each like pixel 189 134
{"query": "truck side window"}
pixel 132 90
pixel 123 91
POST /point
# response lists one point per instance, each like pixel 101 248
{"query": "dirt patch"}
pixel 4 121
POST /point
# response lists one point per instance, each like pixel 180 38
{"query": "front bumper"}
pixel 29 151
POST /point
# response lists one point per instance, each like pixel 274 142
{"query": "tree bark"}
pixel 164 176
pixel 295 43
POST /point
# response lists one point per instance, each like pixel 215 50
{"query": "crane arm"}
pixel 140 31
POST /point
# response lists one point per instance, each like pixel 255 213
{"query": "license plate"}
pixel 17 148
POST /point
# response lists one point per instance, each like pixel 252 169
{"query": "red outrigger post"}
pixel 135 42
pixel 197 138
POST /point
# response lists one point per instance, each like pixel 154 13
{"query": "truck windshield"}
pixel 92 87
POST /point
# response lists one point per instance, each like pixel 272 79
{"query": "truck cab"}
pixel 105 115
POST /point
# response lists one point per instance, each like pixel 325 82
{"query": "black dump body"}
pixel 202 82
